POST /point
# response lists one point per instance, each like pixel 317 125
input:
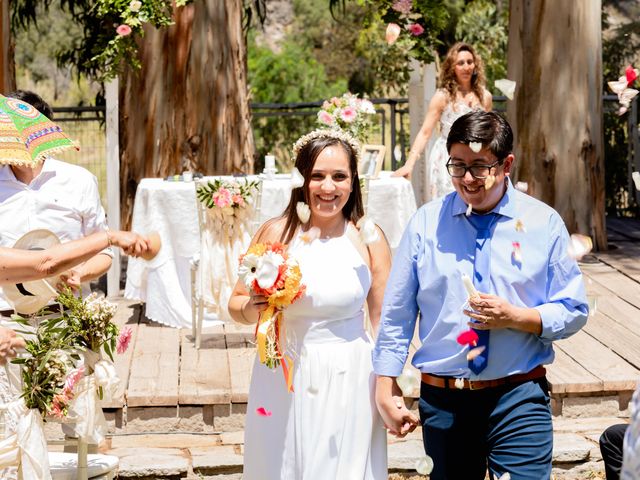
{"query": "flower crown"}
pixel 327 133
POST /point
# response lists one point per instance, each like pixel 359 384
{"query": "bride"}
pixel 329 426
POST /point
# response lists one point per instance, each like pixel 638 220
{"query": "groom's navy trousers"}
pixel 506 428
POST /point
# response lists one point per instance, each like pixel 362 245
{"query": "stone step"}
pixel 147 456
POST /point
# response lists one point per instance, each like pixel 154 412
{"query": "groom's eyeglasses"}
pixel 459 170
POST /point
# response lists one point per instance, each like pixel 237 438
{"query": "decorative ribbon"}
pixel 26 448
pixel 90 424
pixel 272 318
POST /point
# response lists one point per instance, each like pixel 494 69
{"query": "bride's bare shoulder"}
pixel 271 230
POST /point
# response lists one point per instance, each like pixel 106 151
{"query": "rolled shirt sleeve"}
pixel 93 215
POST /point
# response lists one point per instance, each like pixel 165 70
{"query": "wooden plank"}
pixel 204 373
pixel 619 311
pixel 629 227
pixel 612 370
pixel 617 283
pixel 624 259
pixel 127 315
pixel 616 337
pixel 241 352
pixel 154 372
pixel 565 375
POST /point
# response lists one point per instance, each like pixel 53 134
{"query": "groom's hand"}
pixel 395 415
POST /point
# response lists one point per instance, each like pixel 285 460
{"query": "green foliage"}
pixel 292 75
pixel 487 29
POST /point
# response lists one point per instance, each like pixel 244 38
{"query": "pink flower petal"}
pixel 263 412
pixel 123 340
pixel 474 352
pixel 631 74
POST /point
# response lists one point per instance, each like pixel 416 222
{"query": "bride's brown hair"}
pixel 305 161
pixel 448 79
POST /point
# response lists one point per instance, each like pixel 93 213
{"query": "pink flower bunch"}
pixel 416 29
pixel 60 405
pixel 348 113
pixel 122 343
pixel 222 198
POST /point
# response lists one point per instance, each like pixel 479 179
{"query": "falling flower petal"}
pixel 636 179
pixel 522 186
pixel 517 252
pixel 408 381
pixel 310 235
pixel 263 412
pixel 593 305
pixel 520 226
pixel 489 182
pixel 393 31
pixel 468 285
pixel 368 230
pixel 469 209
pixel 579 246
pixel 474 352
pixel 505 476
pixel 297 180
pixel 468 337
pixel 123 340
pixel 424 466
pixel 618 86
pixel 475 146
pixel 459 383
pixel 507 87
pixel 631 74
pixel 303 211
pixel 621 111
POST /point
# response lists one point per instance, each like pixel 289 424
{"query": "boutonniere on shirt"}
pixel 520 226
pixel 517 252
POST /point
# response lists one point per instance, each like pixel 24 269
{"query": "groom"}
pixel 486 403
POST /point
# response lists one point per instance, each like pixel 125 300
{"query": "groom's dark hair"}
pixel 488 128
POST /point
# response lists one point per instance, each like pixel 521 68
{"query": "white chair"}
pixel 200 263
pixel 66 466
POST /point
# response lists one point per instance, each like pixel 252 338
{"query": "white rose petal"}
pixel 268 267
pixel 506 476
pixel 368 230
pixel 469 209
pixel 475 146
pixel 408 381
pixel 507 87
pixel 135 6
pixel 310 235
pixel 579 246
pixel 522 186
pixel 489 182
pixel 297 180
pixel 636 179
pixel 303 211
pixel 424 466
pixel 459 383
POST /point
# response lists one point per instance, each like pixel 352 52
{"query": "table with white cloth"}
pixel 170 209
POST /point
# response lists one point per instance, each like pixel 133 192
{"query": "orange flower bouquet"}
pixel 267 270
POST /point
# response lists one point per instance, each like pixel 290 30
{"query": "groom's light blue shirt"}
pixel 437 247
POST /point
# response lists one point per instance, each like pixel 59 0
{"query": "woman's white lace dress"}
pixel 329 427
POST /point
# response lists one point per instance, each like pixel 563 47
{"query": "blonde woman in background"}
pixel 462 89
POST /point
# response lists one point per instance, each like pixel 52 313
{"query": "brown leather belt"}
pixel 450 382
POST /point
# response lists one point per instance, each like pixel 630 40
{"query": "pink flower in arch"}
pixel 349 114
pixel 325 117
pixel 402 6
pixel 123 30
pixel 238 200
pixel 393 31
pixel 416 29
pixel 123 340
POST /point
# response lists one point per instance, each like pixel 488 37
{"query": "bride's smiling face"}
pixel 330 181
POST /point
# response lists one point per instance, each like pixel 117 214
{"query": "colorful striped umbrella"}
pixel 27 137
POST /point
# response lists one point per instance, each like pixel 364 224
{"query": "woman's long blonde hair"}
pixel 448 79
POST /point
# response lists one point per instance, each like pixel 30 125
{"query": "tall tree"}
pixel 555 56
pixel 7 70
pixel 188 106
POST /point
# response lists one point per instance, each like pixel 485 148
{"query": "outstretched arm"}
pixel 436 107
pixel 24 265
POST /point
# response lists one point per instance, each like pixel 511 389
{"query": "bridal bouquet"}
pixel 227 201
pixel 267 270
pixel 348 113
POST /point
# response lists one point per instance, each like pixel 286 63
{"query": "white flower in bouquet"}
pixel 268 269
pixel 247 269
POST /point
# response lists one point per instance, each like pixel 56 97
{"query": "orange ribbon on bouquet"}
pixel 271 318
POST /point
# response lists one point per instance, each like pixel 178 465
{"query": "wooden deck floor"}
pixel 163 368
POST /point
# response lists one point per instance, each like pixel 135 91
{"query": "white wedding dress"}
pixel 329 427
pixel 439 180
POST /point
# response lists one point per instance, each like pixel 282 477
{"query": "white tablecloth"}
pixel 170 209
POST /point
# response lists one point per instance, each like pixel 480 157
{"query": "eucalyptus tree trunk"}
pixel 555 56
pixel 188 106
pixel 7 66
